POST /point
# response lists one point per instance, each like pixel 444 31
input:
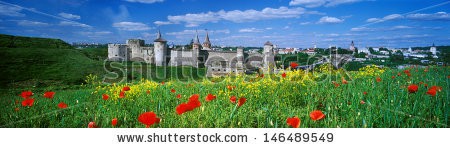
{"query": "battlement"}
pixel 136 42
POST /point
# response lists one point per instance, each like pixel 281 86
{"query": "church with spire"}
pixel 217 62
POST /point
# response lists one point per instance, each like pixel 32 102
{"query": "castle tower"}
pixel 160 50
pixel 195 50
pixel 207 43
pixel 136 52
pixel 433 49
pixel 352 46
pixel 269 57
pixel 240 60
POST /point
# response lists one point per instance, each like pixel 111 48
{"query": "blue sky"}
pixel 286 23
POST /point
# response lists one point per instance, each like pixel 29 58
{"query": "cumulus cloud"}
pixel 131 26
pixel 329 20
pixel 69 16
pixel 32 23
pixel 13 11
pixel 250 30
pixel 145 1
pixel 237 16
pixel 318 3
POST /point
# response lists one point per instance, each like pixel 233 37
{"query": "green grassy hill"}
pixel 28 62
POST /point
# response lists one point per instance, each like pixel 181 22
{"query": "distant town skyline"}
pixel 286 23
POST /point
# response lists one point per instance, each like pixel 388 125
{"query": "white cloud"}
pixel 361 29
pixel 159 23
pixel 11 11
pixel 131 26
pixel 237 16
pixel 250 30
pixel 438 16
pixel 193 32
pixel 69 16
pixel 145 1
pixel 318 3
pixel 269 28
pixel 305 23
pixel 95 34
pixel 32 23
pixel 74 24
pixel 329 20
pixel 386 18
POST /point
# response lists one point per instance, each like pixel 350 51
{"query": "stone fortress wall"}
pixel 217 62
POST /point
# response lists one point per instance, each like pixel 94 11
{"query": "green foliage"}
pixel 32 42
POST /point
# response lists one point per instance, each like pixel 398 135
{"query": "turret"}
pixel 207 43
pixel 269 57
pixel 160 50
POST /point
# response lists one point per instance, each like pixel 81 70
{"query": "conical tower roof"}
pixel 196 40
pixel 207 39
pixel 159 38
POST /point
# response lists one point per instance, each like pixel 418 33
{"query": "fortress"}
pixel 217 62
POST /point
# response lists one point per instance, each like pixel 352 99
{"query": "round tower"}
pixel 160 48
pixel 269 58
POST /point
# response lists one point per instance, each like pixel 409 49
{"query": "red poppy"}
pixel 162 83
pixel 62 105
pixel 406 71
pixel 262 76
pixel 49 94
pixel 16 109
pixel 344 81
pixel 293 122
pixel 114 122
pixel 283 75
pixel 448 76
pixel 336 84
pixel 378 79
pixel 148 119
pixel 126 88
pixel 362 102
pixel 148 91
pixel 420 82
pixel 122 94
pixel 189 106
pixel 241 101
pixel 172 90
pixel 431 92
pixel 316 115
pixel 28 102
pixel 230 88
pixel 294 65
pixel 365 93
pixel 92 125
pixel 399 74
pixel 408 74
pixel 437 88
pixel 426 85
pixel 179 96
pixel 105 97
pixel 413 88
pixel 210 97
pixel 233 99
pixel 26 94
pixel 393 77
pixel 194 102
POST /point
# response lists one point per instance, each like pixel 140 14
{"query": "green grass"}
pixel 269 104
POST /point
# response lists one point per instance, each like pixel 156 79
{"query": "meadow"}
pixel 324 98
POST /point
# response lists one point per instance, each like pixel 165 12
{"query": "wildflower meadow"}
pixel 415 97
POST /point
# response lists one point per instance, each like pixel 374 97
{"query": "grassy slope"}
pixel 42 62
